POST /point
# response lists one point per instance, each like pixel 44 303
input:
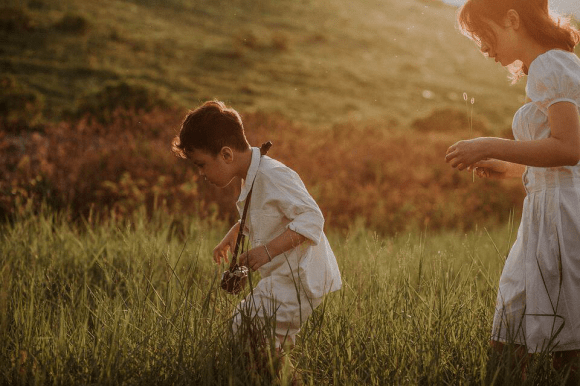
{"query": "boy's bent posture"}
pixel 284 224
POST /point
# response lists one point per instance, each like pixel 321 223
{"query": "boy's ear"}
pixel 512 19
pixel 227 154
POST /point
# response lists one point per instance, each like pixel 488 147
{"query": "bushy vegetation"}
pixel 15 20
pixel 130 302
pixel 389 182
pixel 72 24
pixel 20 107
pixel 103 103
pixel 91 105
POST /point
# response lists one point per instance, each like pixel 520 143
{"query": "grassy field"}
pixel 136 302
pixel 317 62
pixel 117 290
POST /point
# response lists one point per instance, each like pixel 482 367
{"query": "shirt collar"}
pixel 251 175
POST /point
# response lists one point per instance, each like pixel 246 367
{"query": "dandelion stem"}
pixel 471 133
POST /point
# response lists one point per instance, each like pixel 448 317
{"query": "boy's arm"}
pixel 291 198
pixel 256 257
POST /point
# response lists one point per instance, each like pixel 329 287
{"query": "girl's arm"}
pixel 562 148
pixel 260 255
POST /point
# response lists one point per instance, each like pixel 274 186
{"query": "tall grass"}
pixel 138 301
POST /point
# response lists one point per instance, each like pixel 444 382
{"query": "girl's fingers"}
pixel 457 164
pixel 482 172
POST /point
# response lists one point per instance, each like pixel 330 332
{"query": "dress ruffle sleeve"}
pixel 553 77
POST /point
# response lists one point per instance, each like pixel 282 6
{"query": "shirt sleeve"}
pixel 556 78
pixel 287 193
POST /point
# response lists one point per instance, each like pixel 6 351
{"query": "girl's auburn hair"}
pixel 546 27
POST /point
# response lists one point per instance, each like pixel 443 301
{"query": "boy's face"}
pixel 216 169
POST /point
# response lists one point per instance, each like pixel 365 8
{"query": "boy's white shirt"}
pixel 280 201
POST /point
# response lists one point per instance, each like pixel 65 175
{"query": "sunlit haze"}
pixel 561 6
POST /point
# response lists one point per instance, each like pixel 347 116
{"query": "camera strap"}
pixel 240 240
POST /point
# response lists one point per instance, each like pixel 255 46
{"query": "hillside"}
pixel 316 62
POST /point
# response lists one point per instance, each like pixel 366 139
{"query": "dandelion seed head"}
pixel 464 96
pixel 472 100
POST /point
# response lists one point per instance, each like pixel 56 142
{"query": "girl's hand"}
pixel 492 168
pixel 464 154
pixel 496 169
pixel 254 258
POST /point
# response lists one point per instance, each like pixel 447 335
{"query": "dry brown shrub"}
pixel 112 169
pixel 390 182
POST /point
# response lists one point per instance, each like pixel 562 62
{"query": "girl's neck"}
pixel 532 50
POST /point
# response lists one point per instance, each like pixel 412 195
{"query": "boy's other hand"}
pixel 254 258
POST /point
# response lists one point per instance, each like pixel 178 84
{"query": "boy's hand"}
pixel 220 252
pixel 254 258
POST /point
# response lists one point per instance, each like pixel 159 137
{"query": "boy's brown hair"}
pixel 209 128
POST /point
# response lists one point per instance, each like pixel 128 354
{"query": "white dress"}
pixel 538 302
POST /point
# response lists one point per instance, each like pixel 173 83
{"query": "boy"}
pixel 284 224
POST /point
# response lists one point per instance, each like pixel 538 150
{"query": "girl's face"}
pixel 504 48
pixel 216 169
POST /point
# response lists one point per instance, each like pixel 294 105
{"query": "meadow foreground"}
pixel 139 301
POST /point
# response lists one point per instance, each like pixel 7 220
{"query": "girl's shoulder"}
pixel 554 61
pixel 554 74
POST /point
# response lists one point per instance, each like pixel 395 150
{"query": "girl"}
pixel 538 306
